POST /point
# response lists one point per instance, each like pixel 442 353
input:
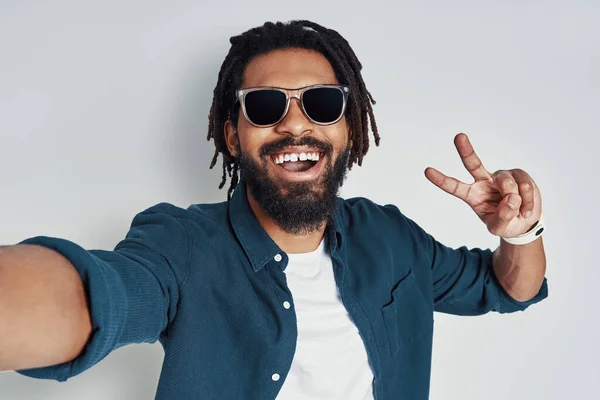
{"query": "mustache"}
pixel 288 142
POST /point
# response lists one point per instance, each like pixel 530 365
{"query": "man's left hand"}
pixel 507 201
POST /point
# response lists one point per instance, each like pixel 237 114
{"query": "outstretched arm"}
pixel 510 204
pixel 44 317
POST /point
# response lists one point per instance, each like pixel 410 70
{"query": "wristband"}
pixel 530 236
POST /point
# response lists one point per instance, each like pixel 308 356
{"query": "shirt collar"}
pixel 257 244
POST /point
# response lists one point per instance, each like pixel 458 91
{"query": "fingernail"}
pixel 528 214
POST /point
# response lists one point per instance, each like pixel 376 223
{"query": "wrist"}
pixel 532 234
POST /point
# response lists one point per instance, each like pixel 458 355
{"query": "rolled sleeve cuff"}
pixel 506 303
pixel 107 303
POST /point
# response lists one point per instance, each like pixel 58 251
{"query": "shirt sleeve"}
pixel 132 291
pixel 464 282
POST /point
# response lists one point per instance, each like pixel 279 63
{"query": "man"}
pixel 284 291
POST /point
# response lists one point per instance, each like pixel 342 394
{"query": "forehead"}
pixel 289 68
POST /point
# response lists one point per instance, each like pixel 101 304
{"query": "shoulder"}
pixel 364 215
pixel 190 231
pixel 172 223
pixel 365 212
pixel 195 213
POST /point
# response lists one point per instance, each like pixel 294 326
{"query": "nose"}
pixel 295 122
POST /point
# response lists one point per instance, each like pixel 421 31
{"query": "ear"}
pixel 231 137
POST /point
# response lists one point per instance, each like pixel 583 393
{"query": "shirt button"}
pixel 278 257
pixel 275 377
pixel 286 305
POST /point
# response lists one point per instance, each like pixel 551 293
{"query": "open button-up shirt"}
pixel 209 284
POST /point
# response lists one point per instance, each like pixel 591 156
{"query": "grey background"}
pixel 103 113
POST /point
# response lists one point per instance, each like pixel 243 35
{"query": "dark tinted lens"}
pixel 323 105
pixel 265 107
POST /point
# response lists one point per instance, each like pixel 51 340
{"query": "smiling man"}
pixel 285 290
pixel 293 145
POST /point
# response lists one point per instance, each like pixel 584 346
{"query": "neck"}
pixel 288 242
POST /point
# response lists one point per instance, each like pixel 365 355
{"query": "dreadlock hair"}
pixel 291 35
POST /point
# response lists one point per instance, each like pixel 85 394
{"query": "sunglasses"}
pixel 267 106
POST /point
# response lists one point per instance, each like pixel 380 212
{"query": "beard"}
pixel 299 208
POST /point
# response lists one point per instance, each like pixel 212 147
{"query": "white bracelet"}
pixel 530 236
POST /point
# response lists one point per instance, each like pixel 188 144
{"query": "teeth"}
pixel 293 157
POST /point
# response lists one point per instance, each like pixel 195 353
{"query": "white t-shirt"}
pixel 330 360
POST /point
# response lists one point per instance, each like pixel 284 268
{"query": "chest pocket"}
pixel 407 316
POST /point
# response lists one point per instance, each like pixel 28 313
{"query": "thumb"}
pixel 506 211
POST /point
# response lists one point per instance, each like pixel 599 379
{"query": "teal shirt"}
pixel 209 284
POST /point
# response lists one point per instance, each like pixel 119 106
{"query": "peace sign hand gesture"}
pixel 507 201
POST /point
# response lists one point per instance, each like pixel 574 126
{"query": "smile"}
pixel 305 164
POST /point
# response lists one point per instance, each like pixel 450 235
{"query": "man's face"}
pixel 300 195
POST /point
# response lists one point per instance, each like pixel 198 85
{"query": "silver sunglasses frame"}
pixel 240 95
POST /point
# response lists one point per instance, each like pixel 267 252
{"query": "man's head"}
pixel 298 195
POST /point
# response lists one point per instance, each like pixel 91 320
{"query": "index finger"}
pixel 469 158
